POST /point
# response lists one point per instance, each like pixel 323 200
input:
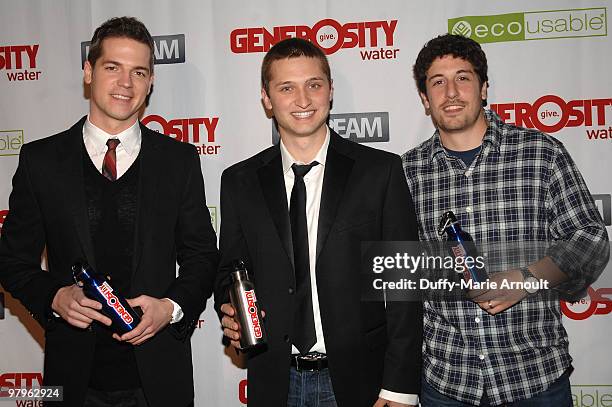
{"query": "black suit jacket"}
pixel 364 198
pixel 48 209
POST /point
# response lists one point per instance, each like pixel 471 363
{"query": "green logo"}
pixel 532 25
pixel 213 216
pixel 10 142
pixel 462 27
pixel 591 395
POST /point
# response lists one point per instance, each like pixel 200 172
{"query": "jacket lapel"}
pixel 338 167
pixel 71 167
pixel 273 188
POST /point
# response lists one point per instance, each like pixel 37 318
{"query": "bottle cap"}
pixel 448 218
pixel 239 265
pixel 240 271
pixel 80 272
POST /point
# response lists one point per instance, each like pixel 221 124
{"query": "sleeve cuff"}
pixel 412 399
pixel 177 312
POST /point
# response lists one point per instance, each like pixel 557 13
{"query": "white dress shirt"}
pixel 126 153
pixel 314 186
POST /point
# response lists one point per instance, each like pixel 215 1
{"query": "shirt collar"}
pixel 492 134
pixel 320 157
pixel 95 138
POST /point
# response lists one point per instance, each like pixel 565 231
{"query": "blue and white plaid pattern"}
pixel 523 186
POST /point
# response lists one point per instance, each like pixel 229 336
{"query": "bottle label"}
pixel 252 309
pixel 459 251
pixel 111 299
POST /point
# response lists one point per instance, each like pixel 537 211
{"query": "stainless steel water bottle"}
pixel 248 313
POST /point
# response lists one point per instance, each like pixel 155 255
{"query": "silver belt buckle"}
pixel 310 357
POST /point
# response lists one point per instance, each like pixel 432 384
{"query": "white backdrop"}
pixel 549 67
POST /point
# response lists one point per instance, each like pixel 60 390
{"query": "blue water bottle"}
pixel 461 245
pixel 114 305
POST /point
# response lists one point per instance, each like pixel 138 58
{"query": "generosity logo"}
pixel 169 49
pixel 598 302
pixel 329 34
pixel 242 391
pixel 188 130
pixel 366 127
pixel 17 59
pixel 3 214
pixel 532 25
pixel 19 380
pixel 551 113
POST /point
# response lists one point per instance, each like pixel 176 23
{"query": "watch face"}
pixel 532 285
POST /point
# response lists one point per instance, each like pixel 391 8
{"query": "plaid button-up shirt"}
pixel 522 186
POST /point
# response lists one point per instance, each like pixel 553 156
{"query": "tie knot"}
pixel 301 170
pixel 112 143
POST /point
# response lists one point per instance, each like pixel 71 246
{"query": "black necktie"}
pixel 304 335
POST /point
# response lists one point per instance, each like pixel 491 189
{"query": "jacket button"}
pixel 286 338
pixel 291 291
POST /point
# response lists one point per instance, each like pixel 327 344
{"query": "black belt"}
pixel 309 362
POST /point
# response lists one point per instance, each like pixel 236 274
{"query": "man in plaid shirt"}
pixel 505 184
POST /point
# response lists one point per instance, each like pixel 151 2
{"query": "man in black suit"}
pixel 296 213
pixel 130 202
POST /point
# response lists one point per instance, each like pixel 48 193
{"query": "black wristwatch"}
pixel 528 277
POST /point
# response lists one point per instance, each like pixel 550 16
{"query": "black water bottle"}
pixel 461 245
pixel 114 305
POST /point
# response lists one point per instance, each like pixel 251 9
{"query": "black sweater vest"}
pixel 111 209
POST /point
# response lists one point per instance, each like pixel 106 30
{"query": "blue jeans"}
pixel 559 394
pixel 310 389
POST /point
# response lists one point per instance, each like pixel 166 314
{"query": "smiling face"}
pixel 120 82
pixel 454 98
pixel 299 96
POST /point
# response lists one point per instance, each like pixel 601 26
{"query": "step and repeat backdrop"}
pixel 549 69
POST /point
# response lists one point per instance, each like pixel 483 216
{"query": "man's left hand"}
pixel 156 315
pixel 500 299
pixel 386 403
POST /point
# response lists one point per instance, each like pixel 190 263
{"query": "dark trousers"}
pixel 115 398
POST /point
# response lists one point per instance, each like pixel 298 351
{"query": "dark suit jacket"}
pixel 47 208
pixel 364 198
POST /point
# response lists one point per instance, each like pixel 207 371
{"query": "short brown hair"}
pixel 292 48
pixel 118 27
pixel 455 45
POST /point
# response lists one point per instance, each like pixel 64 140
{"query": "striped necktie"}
pixel 109 165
